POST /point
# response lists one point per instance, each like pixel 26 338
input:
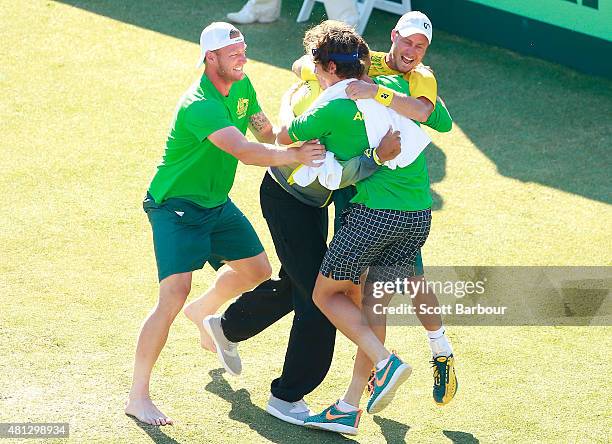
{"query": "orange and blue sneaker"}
pixel 333 419
pixel 445 379
pixel 386 382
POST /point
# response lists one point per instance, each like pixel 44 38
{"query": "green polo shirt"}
pixel 193 168
pixel 340 127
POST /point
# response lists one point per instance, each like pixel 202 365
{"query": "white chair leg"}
pixel 306 10
pixel 365 9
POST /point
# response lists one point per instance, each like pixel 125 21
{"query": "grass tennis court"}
pixel 88 90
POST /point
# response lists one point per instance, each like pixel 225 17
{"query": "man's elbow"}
pixel 283 138
pixel 423 113
pixel 422 117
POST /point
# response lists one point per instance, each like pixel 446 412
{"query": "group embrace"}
pixel 350 135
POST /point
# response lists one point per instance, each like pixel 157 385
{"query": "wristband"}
pixel 384 95
pixel 377 160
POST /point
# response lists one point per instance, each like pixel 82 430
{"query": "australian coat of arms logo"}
pixel 241 109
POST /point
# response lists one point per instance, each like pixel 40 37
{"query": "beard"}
pixel 228 73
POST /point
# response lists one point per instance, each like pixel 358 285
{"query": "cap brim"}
pixel 405 32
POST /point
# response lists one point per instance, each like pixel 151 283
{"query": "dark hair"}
pixel 333 41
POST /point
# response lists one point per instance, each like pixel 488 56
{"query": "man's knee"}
pixel 259 270
pixel 173 292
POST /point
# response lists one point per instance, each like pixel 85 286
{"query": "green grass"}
pixel 88 90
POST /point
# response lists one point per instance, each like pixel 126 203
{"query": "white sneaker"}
pixel 227 351
pixel 291 412
pixel 253 11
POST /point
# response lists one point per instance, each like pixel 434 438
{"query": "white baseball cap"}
pixel 414 22
pixel 218 35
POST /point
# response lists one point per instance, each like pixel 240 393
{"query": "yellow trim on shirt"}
pixel 422 83
pixel 290 179
pixel 379 66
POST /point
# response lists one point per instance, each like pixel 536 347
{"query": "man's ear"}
pixel 393 34
pixel 331 67
pixel 211 56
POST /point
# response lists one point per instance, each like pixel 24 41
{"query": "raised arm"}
pixel 418 109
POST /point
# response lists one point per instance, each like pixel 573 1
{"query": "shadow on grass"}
pixel 460 437
pixel 273 429
pixel 436 165
pixel 155 432
pixel 393 431
pixel 516 111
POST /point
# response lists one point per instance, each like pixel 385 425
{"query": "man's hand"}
pixel 389 146
pixel 312 153
pixel 361 90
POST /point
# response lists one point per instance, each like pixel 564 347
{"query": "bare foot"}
pixel 195 316
pixel 144 410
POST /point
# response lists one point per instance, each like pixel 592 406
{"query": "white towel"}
pixel 329 173
pixel 378 118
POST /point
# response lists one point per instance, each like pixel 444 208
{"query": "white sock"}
pixel 344 406
pixel 436 333
pixel 439 344
pixel 382 363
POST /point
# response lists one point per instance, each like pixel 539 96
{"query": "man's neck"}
pixel 222 85
pixel 390 62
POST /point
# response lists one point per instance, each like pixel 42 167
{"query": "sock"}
pixel 344 406
pixel 382 363
pixel 439 344
pixel 436 333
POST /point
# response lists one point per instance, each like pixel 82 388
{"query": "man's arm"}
pixel 405 105
pixel 440 119
pixel 232 141
pixel 418 109
pixel 282 137
pixel 262 129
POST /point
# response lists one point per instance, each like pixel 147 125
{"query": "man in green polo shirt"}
pixel 384 228
pixel 187 203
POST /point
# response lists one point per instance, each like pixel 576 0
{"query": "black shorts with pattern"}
pixel 386 241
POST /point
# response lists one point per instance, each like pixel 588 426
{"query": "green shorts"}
pixel 186 235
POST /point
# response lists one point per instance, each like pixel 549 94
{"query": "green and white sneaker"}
pixel 333 419
pixel 386 382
